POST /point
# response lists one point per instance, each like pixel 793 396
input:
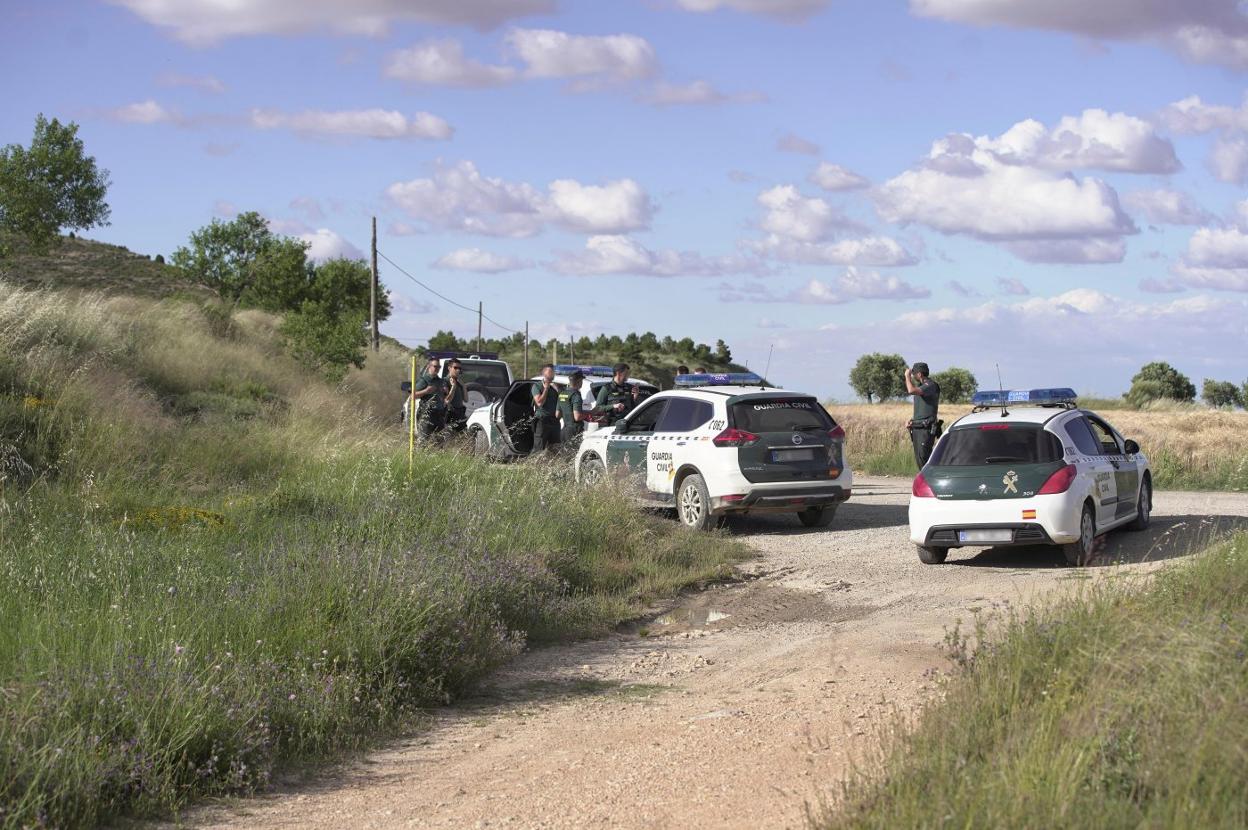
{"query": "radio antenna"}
pixel 768 369
pixel 1001 386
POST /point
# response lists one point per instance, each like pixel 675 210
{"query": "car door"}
pixel 629 443
pixel 672 434
pixel 513 418
pixel 1126 469
pixel 1094 458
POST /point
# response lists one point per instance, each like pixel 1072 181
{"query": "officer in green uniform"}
pixel 545 411
pixel 923 425
pixel 617 398
pixel 429 394
pixel 456 408
pixel 572 411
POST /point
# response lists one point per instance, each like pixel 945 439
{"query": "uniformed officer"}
pixel 572 411
pixel 430 396
pixel 456 408
pixel 617 398
pixel 545 411
pixel 923 425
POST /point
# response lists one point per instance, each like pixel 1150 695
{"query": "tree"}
pixel 956 385
pixel 443 341
pixel 52 185
pixel 723 355
pixel 342 285
pixel 684 346
pixel 878 377
pixel 650 342
pixel 1159 380
pixel 1221 393
pixel 229 256
pixel 325 342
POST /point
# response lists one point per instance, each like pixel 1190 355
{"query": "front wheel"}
pixel 817 516
pixel 932 556
pixel 693 504
pixel 1143 507
pixel 593 471
pixel 1079 553
pixel 480 443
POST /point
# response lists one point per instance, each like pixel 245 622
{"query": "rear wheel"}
pixel 480 442
pixel 477 396
pixel 593 471
pixel 1079 553
pixel 817 516
pixel 693 504
pixel 1143 507
pixel 932 556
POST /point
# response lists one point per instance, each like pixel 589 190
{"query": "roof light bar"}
pixel 1024 397
pixel 588 371
pixel 721 379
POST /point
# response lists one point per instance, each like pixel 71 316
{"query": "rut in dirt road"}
pixel 733 709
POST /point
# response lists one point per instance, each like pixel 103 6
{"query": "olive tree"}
pixel 878 377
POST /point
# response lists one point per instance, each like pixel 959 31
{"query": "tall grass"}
pixel 216 566
pixel 1124 707
pixel 1190 447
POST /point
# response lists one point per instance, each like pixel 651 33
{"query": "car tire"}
pixel 1079 552
pixel 1143 506
pixel 479 442
pixel 817 516
pixel 932 556
pixel 476 395
pixel 693 504
pixel 593 472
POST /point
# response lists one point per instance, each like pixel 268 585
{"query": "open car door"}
pixel 513 418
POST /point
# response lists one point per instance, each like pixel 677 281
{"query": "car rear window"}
pixel 780 415
pixel 977 444
pixel 486 374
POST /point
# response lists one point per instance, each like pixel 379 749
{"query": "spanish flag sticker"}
pixel 1029 514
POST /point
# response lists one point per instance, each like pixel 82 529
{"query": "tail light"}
pixel 1059 482
pixel 920 488
pixel 733 437
pixel 837 433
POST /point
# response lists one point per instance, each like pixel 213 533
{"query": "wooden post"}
pixel 372 293
pixel 479 316
pixel 526 348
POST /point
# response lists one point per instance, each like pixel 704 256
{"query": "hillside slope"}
pixel 79 263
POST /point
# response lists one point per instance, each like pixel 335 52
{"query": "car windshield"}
pixel 780 415
pixel 978 444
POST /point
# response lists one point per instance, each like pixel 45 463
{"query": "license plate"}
pixel 985 535
pixel 804 454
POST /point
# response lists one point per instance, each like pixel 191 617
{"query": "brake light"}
pixel 994 426
pixel 1059 482
pixel 920 488
pixel 733 497
pixel 733 437
pixel 837 433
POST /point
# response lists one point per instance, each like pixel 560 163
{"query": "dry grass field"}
pixel 1190 447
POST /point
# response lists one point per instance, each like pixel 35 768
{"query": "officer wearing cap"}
pixel 572 410
pixel 617 398
pixel 923 425
pixel 456 408
pixel 545 411
pixel 430 395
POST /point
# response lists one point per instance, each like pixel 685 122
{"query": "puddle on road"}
pixel 692 617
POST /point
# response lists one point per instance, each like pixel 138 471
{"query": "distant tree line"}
pixel 607 348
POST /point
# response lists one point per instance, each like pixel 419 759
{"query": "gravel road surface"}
pixel 736 708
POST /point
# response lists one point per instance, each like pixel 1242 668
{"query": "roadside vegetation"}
pixel 1125 706
pixel 216 565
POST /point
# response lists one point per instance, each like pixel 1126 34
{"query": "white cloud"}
pixel 805 229
pixel 406 305
pixel 768 323
pixel 616 254
pixel 458 197
pixel 791 215
pixel 1216 258
pixel 1093 139
pixel 854 284
pixel 1203 31
pixel 1151 285
pixel 325 244
pixel 442 63
pixel 482 262
pixel 865 250
pixel 1193 116
pixel 203 22
pixel 1166 207
pixel 791 10
pixel 1012 286
pixel 1229 159
pixel 792 143
pixel 370 123
pixel 697 93
pixel 1093 250
pixel 833 177
pixel 871 285
pixel 204 83
pixel 552 54
pixel 143 112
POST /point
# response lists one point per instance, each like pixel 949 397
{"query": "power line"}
pixel 442 296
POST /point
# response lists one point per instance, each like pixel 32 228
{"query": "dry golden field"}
pixel 1190 447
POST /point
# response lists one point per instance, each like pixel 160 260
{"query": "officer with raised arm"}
pixel 618 397
pixel 429 394
pixel 572 411
pixel 545 411
pixel 456 408
pixel 923 424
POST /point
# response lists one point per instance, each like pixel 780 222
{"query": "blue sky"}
pixel 1053 187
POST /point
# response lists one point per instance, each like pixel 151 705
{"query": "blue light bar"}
pixel 1023 397
pixel 587 371
pixel 443 354
pixel 721 379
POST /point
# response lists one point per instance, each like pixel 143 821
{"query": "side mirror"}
pixel 1130 447
pixel 406 386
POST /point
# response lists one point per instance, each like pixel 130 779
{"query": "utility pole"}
pixel 480 314
pixel 372 293
pixel 526 348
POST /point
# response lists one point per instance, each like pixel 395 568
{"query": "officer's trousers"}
pixel 545 433
pixel 922 439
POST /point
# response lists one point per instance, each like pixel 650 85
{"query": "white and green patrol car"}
pixel 1028 467
pixel 725 443
pixel 503 430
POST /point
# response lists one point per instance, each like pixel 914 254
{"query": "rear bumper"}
pixel 782 499
pixel 1039 520
pixel 1024 533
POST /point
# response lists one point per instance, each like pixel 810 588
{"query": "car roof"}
pixel 592 379
pixel 1018 415
pixel 737 392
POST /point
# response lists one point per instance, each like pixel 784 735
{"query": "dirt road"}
pixel 735 709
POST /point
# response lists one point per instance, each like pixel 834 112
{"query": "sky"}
pixel 1056 188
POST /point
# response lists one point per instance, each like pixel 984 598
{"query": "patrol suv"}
pixel 725 443
pixel 1028 467
pixel 504 429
